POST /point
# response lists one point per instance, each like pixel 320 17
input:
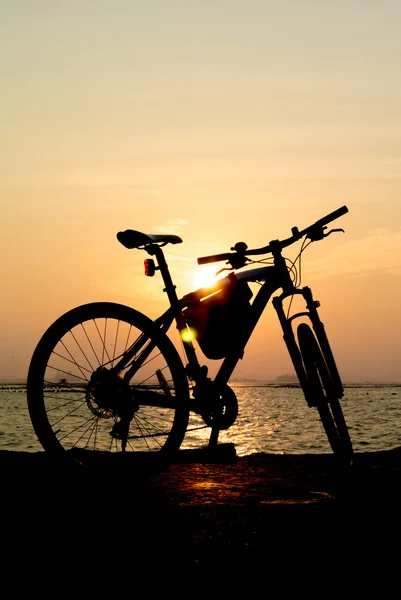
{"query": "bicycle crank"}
pixel 219 411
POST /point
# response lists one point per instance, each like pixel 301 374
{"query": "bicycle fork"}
pixel 321 336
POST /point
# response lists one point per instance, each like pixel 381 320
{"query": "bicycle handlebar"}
pixel 331 216
pixel 315 232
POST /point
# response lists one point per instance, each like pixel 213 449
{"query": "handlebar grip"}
pixel 332 216
pixel 204 260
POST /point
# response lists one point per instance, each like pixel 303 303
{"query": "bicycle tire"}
pixel 69 413
pixel 324 394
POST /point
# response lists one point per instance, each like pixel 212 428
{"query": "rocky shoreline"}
pixel 208 510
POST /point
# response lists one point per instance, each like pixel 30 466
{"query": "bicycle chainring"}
pixel 219 411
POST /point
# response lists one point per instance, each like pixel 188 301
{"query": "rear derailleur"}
pixel 109 396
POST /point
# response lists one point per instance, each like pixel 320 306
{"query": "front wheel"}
pixel 103 377
pixel 323 393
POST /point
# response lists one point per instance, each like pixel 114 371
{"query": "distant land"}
pixel 281 380
pixel 288 379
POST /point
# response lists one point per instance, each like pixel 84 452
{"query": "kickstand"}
pixel 214 436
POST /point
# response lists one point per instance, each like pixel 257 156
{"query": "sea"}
pixel 272 418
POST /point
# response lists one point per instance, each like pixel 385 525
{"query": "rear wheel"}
pixel 84 395
pixel 323 394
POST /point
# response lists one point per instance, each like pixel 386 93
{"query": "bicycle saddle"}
pixel 135 239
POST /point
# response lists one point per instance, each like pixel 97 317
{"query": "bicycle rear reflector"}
pixel 149 267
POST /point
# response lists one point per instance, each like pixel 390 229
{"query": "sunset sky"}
pixel 220 121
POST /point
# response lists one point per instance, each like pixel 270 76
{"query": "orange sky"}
pixel 220 121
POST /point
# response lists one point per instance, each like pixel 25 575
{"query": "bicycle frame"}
pixel 139 392
pixel 274 277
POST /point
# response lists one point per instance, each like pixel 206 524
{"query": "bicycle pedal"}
pixel 120 430
pixel 163 382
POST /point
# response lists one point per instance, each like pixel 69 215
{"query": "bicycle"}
pixel 106 377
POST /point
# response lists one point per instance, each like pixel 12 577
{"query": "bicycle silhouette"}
pixel 106 377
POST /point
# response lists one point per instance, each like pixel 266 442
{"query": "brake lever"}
pixel 237 261
pixel 332 231
pixel 317 233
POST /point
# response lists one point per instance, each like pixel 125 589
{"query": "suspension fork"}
pixel 290 342
pixel 321 336
pixel 320 332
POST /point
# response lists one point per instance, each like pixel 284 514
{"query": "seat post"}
pixel 164 270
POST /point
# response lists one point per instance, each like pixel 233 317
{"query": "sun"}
pixel 204 277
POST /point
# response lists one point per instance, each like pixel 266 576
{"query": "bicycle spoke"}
pixel 84 403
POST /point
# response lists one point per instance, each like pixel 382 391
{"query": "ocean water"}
pixel 272 419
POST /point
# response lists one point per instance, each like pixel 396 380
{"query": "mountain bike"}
pixel 106 377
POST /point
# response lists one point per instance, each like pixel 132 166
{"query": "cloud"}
pixel 174 226
pixel 177 258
